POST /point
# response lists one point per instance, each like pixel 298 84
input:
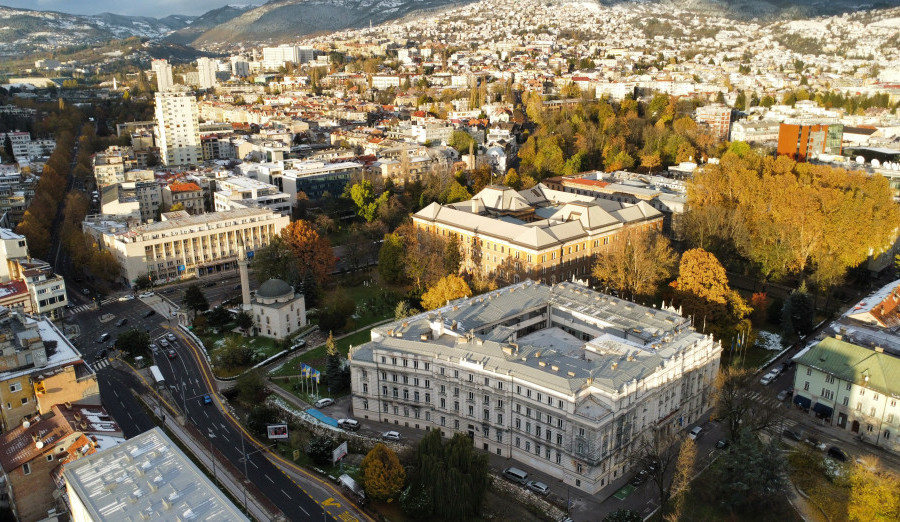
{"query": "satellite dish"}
pixel 26 424
pixel 39 444
pixel 860 159
pixel 876 163
pixel 895 166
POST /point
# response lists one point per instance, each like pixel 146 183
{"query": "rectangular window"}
pixel 498 435
pixel 26 468
pixel 15 387
pixel 443 402
pixel 499 418
pixel 809 371
pixel 806 386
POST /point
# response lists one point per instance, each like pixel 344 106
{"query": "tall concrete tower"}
pixel 244 267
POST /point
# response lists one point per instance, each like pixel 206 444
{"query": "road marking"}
pixel 116 393
pixel 204 413
pixel 270 479
pixel 254 464
pixel 285 493
pixel 330 502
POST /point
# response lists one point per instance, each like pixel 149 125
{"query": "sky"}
pixel 154 8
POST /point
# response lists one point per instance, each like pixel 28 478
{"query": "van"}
pixel 351 485
pixel 516 475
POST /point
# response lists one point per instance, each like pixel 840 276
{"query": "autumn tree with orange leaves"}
pixel 312 252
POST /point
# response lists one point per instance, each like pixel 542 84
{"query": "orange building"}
pixel 802 141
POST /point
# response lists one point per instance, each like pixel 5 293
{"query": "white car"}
pixel 146 294
pixel 538 487
pixel 128 297
pixel 767 378
pixel 391 435
pixel 695 433
pixel 170 337
pixel 322 403
pixel 164 343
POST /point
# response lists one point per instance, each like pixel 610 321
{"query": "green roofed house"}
pixel 852 387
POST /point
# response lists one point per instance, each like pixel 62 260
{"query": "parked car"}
pixel 164 343
pixel 516 475
pixel 776 371
pixel 538 487
pixel 391 435
pixel 348 424
pixel 171 354
pixel 146 294
pixel 838 454
pixel 103 338
pixel 721 443
pixel 207 399
pixel 795 436
pixel 153 348
pixel 170 337
pixel 767 378
pixel 149 313
pixel 122 322
pixel 324 403
pixel 640 478
pixel 695 433
pixel 783 394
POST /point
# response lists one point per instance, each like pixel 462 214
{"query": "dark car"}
pixel 149 313
pixel 210 284
pixel 171 354
pixel 122 322
pixel 721 443
pixel 207 399
pixel 640 478
pixel 838 454
pixel 792 435
pixel 100 355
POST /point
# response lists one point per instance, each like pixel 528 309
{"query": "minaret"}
pixel 243 265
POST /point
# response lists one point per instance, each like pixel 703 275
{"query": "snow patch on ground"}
pixel 769 341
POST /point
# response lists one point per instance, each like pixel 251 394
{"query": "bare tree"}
pixel 657 453
pixel 735 405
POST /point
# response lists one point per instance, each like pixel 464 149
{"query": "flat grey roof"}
pixel 147 478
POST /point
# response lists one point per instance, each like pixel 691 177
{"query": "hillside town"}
pixel 461 265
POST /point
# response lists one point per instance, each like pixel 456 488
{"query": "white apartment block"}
pixel 385 81
pixel 24 148
pixel 240 67
pixel 560 378
pixel 242 192
pixel 178 128
pixel 182 245
pixel 206 71
pixel 47 290
pixel 163 72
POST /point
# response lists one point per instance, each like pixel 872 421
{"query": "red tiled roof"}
pixel 184 187
pixel 19 445
pixel 588 182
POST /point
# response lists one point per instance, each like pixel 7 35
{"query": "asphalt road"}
pixel 187 387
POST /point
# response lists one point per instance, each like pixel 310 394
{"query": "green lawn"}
pixel 264 347
pixel 316 356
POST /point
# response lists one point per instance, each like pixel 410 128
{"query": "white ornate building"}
pixel 561 378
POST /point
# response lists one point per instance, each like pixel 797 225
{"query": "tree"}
pixel 751 475
pixel 461 141
pixel 135 343
pixel 276 261
pixel 703 292
pixel 391 259
pixel 363 195
pixel 447 480
pixel 403 310
pixel 144 281
pixel 251 388
pixel 873 493
pixel 336 373
pixel 382 474
pixel 684 470
pixel 657 452
pixel 8 155
pixel 336 312
pixel 446 289
pixel 219 317
pixel 452 255
pixel 320 448
pixel 310 250
pixel 194 299
pixel 797 314
pixel 623 515
pixel 233 353
pixel 635 263
pixel 244 320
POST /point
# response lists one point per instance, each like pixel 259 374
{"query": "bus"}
pixel 158 379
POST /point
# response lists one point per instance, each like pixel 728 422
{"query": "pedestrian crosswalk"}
pixel 765 401
pixel 99 365
pixel 90 306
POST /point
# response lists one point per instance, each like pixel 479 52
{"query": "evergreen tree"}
pixel 8 155
pixel 797 314
pixel 194 299
pixel 452 255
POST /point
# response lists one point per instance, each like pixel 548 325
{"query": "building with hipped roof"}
pixel 537 233
pixel 561 378
pixel 849 380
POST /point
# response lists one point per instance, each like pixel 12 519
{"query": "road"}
pixel 188 384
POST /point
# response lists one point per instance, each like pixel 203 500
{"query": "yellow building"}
pixel 539 233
